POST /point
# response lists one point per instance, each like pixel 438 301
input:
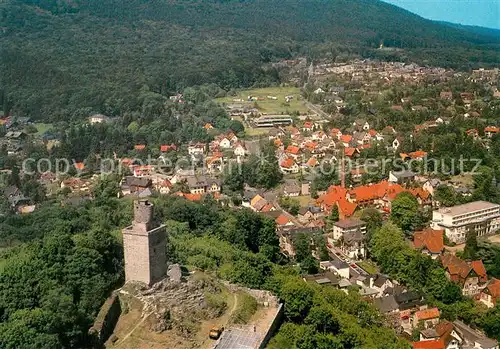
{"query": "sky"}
pixel 484 13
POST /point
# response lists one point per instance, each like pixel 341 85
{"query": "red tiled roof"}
pixel 282 220
pixel 393 191
pixel 369 192
pixel 430 239
pixel 291 149
pixel 420 192
pixel 459 270
pixel 480 270
pixel 266 208
pixel 140 147
pixel 334 132
pixel 417 154
pixel 494 288
pixel 79 165
pixel 307 124
pixel 288 163
pixel 349 151
pixel 333 194
pixel 492 129
pixel 372 132
pixel 433 344
pixel 166 147
pixel 193 197
pixel 312 162
pixel 346 138
pixel 427 314
pixel 346 208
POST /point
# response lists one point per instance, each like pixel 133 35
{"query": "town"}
pixel 362 151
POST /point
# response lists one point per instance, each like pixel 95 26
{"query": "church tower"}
pixel 144 246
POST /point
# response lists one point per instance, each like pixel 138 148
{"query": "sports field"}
pixel 269 105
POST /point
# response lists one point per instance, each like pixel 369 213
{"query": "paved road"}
pixel 354 269
pixel 317 110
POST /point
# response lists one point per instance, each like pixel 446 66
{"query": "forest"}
pixel 80 57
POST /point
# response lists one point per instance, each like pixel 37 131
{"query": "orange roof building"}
pixel 430 240
pixel 291 149
pixel 282 220
pixel 432 344
pixel 417 155
pixel 427 314
pixel 140 147
pixel 79 165
pixel 459 270
pixel 346 138
pixel 288 163
pixel 312 162
pixel 491 293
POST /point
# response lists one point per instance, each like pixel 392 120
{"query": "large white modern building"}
pixel 478 217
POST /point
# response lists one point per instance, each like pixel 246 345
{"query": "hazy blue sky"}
pixel 485 13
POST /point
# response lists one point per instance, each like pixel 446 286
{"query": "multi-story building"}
pixel 348 226
pixel 478 217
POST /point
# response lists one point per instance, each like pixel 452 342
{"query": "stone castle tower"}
pixel 144 246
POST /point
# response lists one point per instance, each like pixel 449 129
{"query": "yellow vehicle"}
pixel 215 332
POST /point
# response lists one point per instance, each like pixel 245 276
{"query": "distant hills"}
pixel 60 57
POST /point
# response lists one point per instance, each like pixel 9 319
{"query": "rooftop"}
pixel 467 208
pixel 235 338
pixel 349 223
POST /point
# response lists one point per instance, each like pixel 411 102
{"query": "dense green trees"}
pixel 405 212
pixel 109 61
pixel 50 290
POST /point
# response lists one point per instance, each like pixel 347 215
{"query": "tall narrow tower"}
pixel 144 246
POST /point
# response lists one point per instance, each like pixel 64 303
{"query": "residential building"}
pixel 430 242
pixel 325 279
pixel 401 177
pixel 353 245
pixel 470 276
pixel 344 226
pixel 491 293
pixel 98 119
pixel 427 318
pixel 203 185
pixel 336 266
pixel 478 217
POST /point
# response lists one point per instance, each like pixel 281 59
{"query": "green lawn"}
pixel 42 128
pixel 270 106
pixel 368 266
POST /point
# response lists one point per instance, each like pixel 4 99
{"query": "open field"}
pixel 270 106
pixel 494 239
pixel 304 200
pixel 369 267
pixel 42 128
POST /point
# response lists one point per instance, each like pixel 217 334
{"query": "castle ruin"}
pixel 144 246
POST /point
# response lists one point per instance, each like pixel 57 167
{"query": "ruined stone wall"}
pixel 263 297
pixel 106 320
pixel 273 326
